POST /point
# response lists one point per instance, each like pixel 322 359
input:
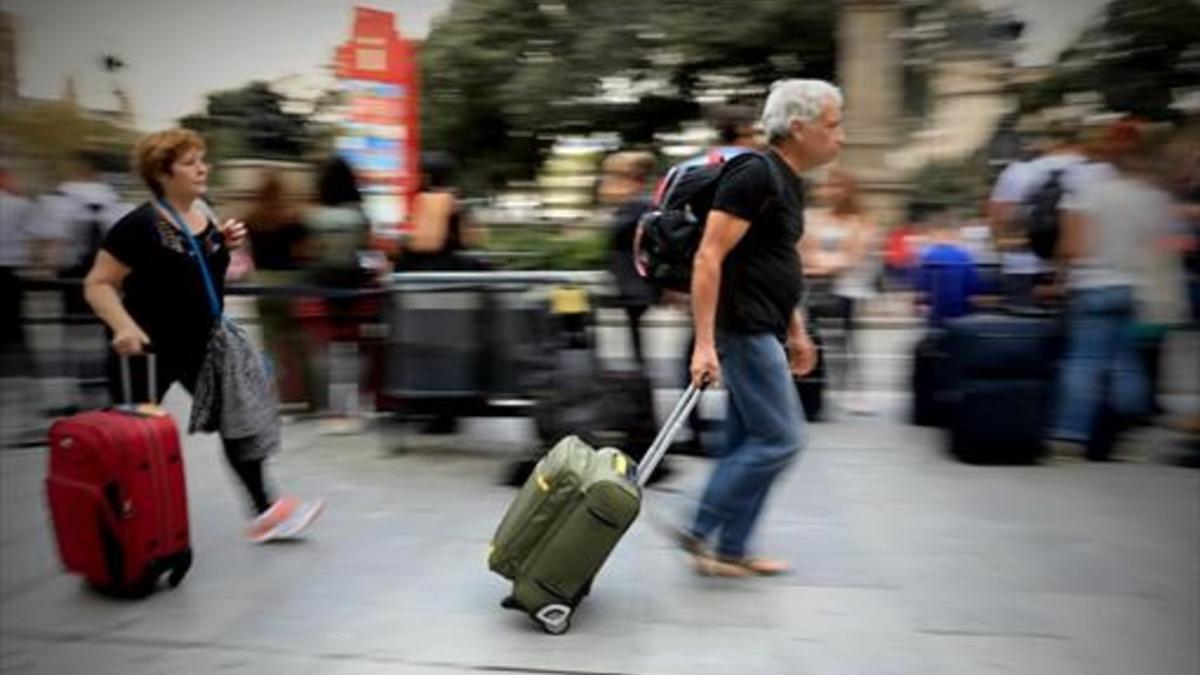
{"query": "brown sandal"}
pixel 745 567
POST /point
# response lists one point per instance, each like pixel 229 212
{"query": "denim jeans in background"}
pixel 1100 342
pixel 765 429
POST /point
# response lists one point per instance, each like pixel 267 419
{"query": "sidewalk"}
pixel 905 563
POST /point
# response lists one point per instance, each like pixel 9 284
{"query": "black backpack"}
pixel 669 234
pixel 1041 210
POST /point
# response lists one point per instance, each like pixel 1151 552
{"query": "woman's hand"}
pixel 234 232
pixel 130 340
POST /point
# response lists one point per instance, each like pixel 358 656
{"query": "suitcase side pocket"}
pixel 88 530
pixel 551 488
pixel 563 568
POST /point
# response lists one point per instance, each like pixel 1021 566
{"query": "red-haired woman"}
pixel 148 286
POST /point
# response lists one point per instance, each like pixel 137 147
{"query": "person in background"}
pixel 976 236
pixel 836 250
pixel 1028 278
pixel 623 185
pixel 946 276
pixel 71 223
pixel 900 252
pixel 1183 160
pixel 74 219
pixel 337 232
pixel 16 224
pixel 442 230
pixel 16 229
pixel 1108 244
pixel 1162 303
pixel 147 287
pixel 277 240
pixel 738 131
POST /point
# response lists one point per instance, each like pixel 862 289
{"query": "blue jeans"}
pixel 1100 341
pixel 764 429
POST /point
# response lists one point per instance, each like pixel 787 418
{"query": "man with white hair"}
pixel 747 285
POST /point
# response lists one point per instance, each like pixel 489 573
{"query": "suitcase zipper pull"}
pixel 621 465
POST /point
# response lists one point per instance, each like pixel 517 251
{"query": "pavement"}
pixel 905 562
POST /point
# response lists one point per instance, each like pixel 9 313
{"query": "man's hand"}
pixel 130 341
pixel 802 354
pixel 234 232
pixel 706 369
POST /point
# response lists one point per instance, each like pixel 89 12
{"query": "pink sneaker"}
pixel 287 518
pixel 302 517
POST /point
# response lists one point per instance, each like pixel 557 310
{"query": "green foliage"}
pixel 1136 54
pixel 58 131
pixel 251 122
pixel 501 78
pixel 953 186
pixel 533 248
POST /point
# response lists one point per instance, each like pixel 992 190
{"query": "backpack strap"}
pixel 666 185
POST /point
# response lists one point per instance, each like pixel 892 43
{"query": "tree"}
pixel 501 78
pixel 251 121
pixel 937 30
pixel 1135 55
pixel 56 131
pixel 955 186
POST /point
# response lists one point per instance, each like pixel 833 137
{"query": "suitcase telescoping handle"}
pixel 127 381
pixel 665 435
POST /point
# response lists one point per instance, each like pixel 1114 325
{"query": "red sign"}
pixel 378 74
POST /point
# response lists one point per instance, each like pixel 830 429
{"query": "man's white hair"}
pixel 795 99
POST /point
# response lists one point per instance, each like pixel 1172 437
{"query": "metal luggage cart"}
pixel 462 344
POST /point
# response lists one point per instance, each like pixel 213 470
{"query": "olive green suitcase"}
pixel 568 517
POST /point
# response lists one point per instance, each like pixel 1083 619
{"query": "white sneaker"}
pixel 287 518
pixel 266 526
pixel 301 519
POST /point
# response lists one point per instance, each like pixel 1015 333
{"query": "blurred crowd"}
pixel 1123 194
pixel 1095 225
pixel 311 261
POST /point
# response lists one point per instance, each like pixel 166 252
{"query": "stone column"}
pixel 8 60
pixel 870 73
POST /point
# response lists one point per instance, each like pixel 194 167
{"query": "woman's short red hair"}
pixel 156 152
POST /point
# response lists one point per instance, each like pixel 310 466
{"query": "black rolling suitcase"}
pixel 1000 421
pixel 931 386
pixel 1002 367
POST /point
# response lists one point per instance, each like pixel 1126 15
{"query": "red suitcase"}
pixel 118 498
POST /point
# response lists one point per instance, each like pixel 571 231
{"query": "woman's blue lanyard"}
pixel 197 252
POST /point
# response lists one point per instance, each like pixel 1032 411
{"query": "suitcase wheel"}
pixel 180 570
pixel 510 602
pixel 143 588
pixel 583 593
pixel 555 619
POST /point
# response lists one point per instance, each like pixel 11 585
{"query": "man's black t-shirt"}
pixel 761 280
pixel 164 292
